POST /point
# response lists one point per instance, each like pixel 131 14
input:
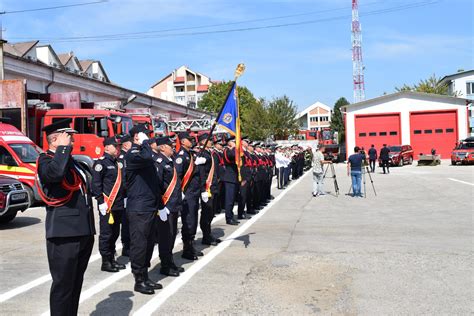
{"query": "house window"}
pixel 470 87
pixel 362 134
pixel 393 133
pixel 372 134
pixel 383 134
pixel 417 131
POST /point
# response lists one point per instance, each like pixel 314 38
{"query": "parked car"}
pixel 400 155
pixel 13 198
pixel 464 152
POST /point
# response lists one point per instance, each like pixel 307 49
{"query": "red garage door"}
pixel 377 129
pixel 436 130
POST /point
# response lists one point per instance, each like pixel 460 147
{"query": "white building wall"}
pixel 404 106
pixel 459 85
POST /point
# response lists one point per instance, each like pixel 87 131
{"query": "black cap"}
pixel 125 138
pixel 184 135
pixel 204 137
pixel 110 141
pixel 59 127
pixel 165 140
pixel 139 128
pixel 231 138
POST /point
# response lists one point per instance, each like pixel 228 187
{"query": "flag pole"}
pixel 238 72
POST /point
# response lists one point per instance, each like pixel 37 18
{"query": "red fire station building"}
pixel 422 120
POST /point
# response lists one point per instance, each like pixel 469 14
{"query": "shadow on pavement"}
pixel 118 303
pixel 245 239
pixel 19 222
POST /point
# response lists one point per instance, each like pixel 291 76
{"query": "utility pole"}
pixel 2 42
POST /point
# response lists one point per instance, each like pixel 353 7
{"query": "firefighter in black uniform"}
pixel 191 186
pixel 231 181
pixel 170 185
pixel 125 144
pixel 208 173
pixel 260 178
pixel 219 199
pixel 108 190
pixel 253 168
pixel 246 173
pixel 143 201
pixel 62 184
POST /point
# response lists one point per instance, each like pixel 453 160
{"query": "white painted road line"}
pixel 460 181
pixel 175 285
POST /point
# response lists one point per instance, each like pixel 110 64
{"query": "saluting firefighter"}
pixel 218 198
pixel 208 174
pixel 62 185
pixel 108 190
pixel 191 187
pixel 246 174
pixel 231 181
pixel 143 200
pixel 253 170
pixel 125 144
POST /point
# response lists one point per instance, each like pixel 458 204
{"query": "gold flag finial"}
pixel 239 70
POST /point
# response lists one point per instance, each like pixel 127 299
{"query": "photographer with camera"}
pixel 354 169
pixel 318 174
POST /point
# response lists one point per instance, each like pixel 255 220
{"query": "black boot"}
pixel 196 252
pixel 188 252
pixel 150 283
pixel 208 240
pixel 117 265
pixel 169 271
pixel 108 266
pixel 141 286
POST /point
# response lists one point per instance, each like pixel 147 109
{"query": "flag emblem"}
pixel 227 118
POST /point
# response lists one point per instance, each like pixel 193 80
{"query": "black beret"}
pixel 165 140
pixel 59 127
pixel 231 138
pixel 184 135
pixel 204 137
pixel 125 138
pixel 110 141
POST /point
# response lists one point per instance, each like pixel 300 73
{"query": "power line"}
pixel 54 8
pixel 194 27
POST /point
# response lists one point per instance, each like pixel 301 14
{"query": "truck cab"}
pixel 93 126
pixel 18 156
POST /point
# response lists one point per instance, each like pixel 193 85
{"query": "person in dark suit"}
pixel 385 157
pixel 231 181
pixel 125 144
pixel 143 201
pixel 246 173
pixel 372 158
pixel 217 153
pixel 62 184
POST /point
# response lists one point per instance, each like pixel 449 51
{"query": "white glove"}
pixel 164 214
pixel 103 209
pixel 205 196
pixel 182 196
pixel 125 202
pixel 200 161
pixel 142 137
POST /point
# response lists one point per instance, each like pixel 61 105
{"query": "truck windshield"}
pixel 160 126
pixel 327 135
pixel 466 146
pixel 28 153
pixel 395 148
pixel 123 127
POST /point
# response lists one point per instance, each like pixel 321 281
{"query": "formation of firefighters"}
pixel 142 186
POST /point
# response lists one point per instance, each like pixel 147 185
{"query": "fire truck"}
pixel 156 123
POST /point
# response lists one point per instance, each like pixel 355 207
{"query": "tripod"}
pixel 333 176
pixel 364 171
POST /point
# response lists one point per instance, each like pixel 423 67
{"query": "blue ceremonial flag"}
pixel 230 112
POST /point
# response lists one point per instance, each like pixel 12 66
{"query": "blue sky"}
pixel 308 63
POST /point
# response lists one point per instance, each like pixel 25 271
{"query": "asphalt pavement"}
pixel 406 250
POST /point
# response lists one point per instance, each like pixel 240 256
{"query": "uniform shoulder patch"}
pixel 159 160
pixel 102 158
pixel 181 152
pixel 98 167
pixel 135 151
pixel 179 160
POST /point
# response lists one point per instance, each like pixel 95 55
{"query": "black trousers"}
pixel 189 217
pixel 372 165
pixel 125 233
pixel 67 258
pixel 109 233
pixel 385 163
pixel 280 177
pixel 243 196
pixel 167 232
pixel 142 239
pixel 231 190
pixel 258 191
pixel 207 214
pixel 216 202
pixel 250 196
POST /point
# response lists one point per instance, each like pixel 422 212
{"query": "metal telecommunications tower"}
pixel 357 66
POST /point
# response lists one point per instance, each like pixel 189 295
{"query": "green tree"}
pixel 282 117
pixel 430 85
pixel 255 121
pixel 337 120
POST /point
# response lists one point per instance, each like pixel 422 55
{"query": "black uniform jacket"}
pixel 143 190
pixel 230 173
pixel 247 166
pixel 76 217
pixel 261 168
pixel 194 186
pixel 104 174
pixel 165 169
pixel 384 153
pixel 205 169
